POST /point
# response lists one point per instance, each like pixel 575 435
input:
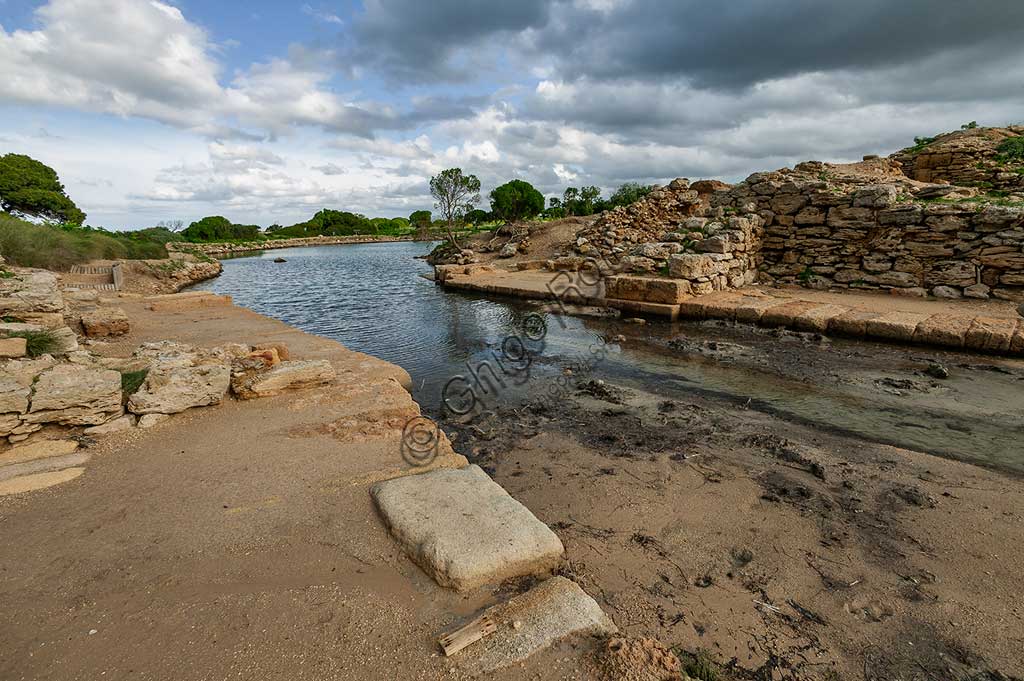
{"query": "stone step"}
pixel 463 529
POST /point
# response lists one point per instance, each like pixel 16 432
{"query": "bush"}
pixel 37 342
pixel 59 247
pixel 1012 149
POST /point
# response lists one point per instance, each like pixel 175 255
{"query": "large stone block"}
pixel 105 322
pixel 897 325
pixel 693 266
pixel 463 529
pixel 175 389
pixel 647 289
pixel 76 395
pixel 285 376
pixel 990 334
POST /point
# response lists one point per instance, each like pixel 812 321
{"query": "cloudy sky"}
pixel 265 111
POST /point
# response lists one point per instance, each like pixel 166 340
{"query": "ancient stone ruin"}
pixel 867 225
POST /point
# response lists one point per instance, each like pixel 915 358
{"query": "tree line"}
pixel 31 188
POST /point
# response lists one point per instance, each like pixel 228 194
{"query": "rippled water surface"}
pixel 374 299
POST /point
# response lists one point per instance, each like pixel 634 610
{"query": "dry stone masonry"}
pixel 872 225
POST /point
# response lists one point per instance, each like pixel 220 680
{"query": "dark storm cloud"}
pixel 414 39
pixel 721 45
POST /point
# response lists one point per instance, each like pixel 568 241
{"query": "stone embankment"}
pixel 227 248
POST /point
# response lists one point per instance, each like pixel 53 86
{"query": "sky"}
pixel 266 111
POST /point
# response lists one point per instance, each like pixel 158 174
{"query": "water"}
pixel 373 298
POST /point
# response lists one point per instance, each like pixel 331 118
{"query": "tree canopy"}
pixel 219 228
pixel 30 187
pixel 516 200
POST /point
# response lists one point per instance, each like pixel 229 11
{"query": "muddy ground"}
pixel 783 548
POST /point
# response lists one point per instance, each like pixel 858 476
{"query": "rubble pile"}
pixel 968 158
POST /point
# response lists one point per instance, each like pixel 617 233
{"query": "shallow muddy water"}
pixel 374 299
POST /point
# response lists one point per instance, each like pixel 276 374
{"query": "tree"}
pixel 210 228
pixel 570 200
pixel 477 216
pixel 171 225
pixel 516 200
pixel 33 188
pixel 589 196
pixel 455 195
pixel 628 193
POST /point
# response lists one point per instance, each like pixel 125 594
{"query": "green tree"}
pixel 571 200
pixel 477 216
pixel 516 200
pixel 455 195
pixel 210 228
pixel 628 193
pixel 33 188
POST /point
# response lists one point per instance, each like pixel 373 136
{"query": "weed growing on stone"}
pixel 38 343
pixel 131 381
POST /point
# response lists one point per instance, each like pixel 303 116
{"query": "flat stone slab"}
pixel 943 329
pixel 29 483
pixel 991 335
pixel 49 463
pixel 463 529
pixel 898 326
pixel 817 320
pixel 41 449
pixel 786 314
pixel 533 621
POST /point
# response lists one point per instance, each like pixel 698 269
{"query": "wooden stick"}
pixel 471 633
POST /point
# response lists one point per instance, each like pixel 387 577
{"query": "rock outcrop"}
pixel 171 389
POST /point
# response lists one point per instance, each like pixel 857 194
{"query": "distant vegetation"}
pixel 57 247
pixel 41 226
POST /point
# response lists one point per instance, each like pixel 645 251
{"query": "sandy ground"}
pixel 237 541
pixel 786 551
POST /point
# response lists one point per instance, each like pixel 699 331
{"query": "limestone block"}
pixel 647 289
pixel 463 529
pixel 12 348
pixel 990 334
pixel 546 614
pixel 943 329
pixel 105 322
pixel 126 422
pixel 71 394
pixel 175 389
pixel 818 319
pixel 284 376
pixel 786 314
pixel 897 325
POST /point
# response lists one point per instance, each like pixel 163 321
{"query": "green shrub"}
pixel 1011 150
pixel 38 342
pixel 131 381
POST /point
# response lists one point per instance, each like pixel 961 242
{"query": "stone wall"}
pixel 828 231
pixel 668 233
pixel 271 244
pixel 968 158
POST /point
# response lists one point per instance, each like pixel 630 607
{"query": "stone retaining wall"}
pixel 824 234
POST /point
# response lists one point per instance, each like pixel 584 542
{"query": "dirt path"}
pixel 787 551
